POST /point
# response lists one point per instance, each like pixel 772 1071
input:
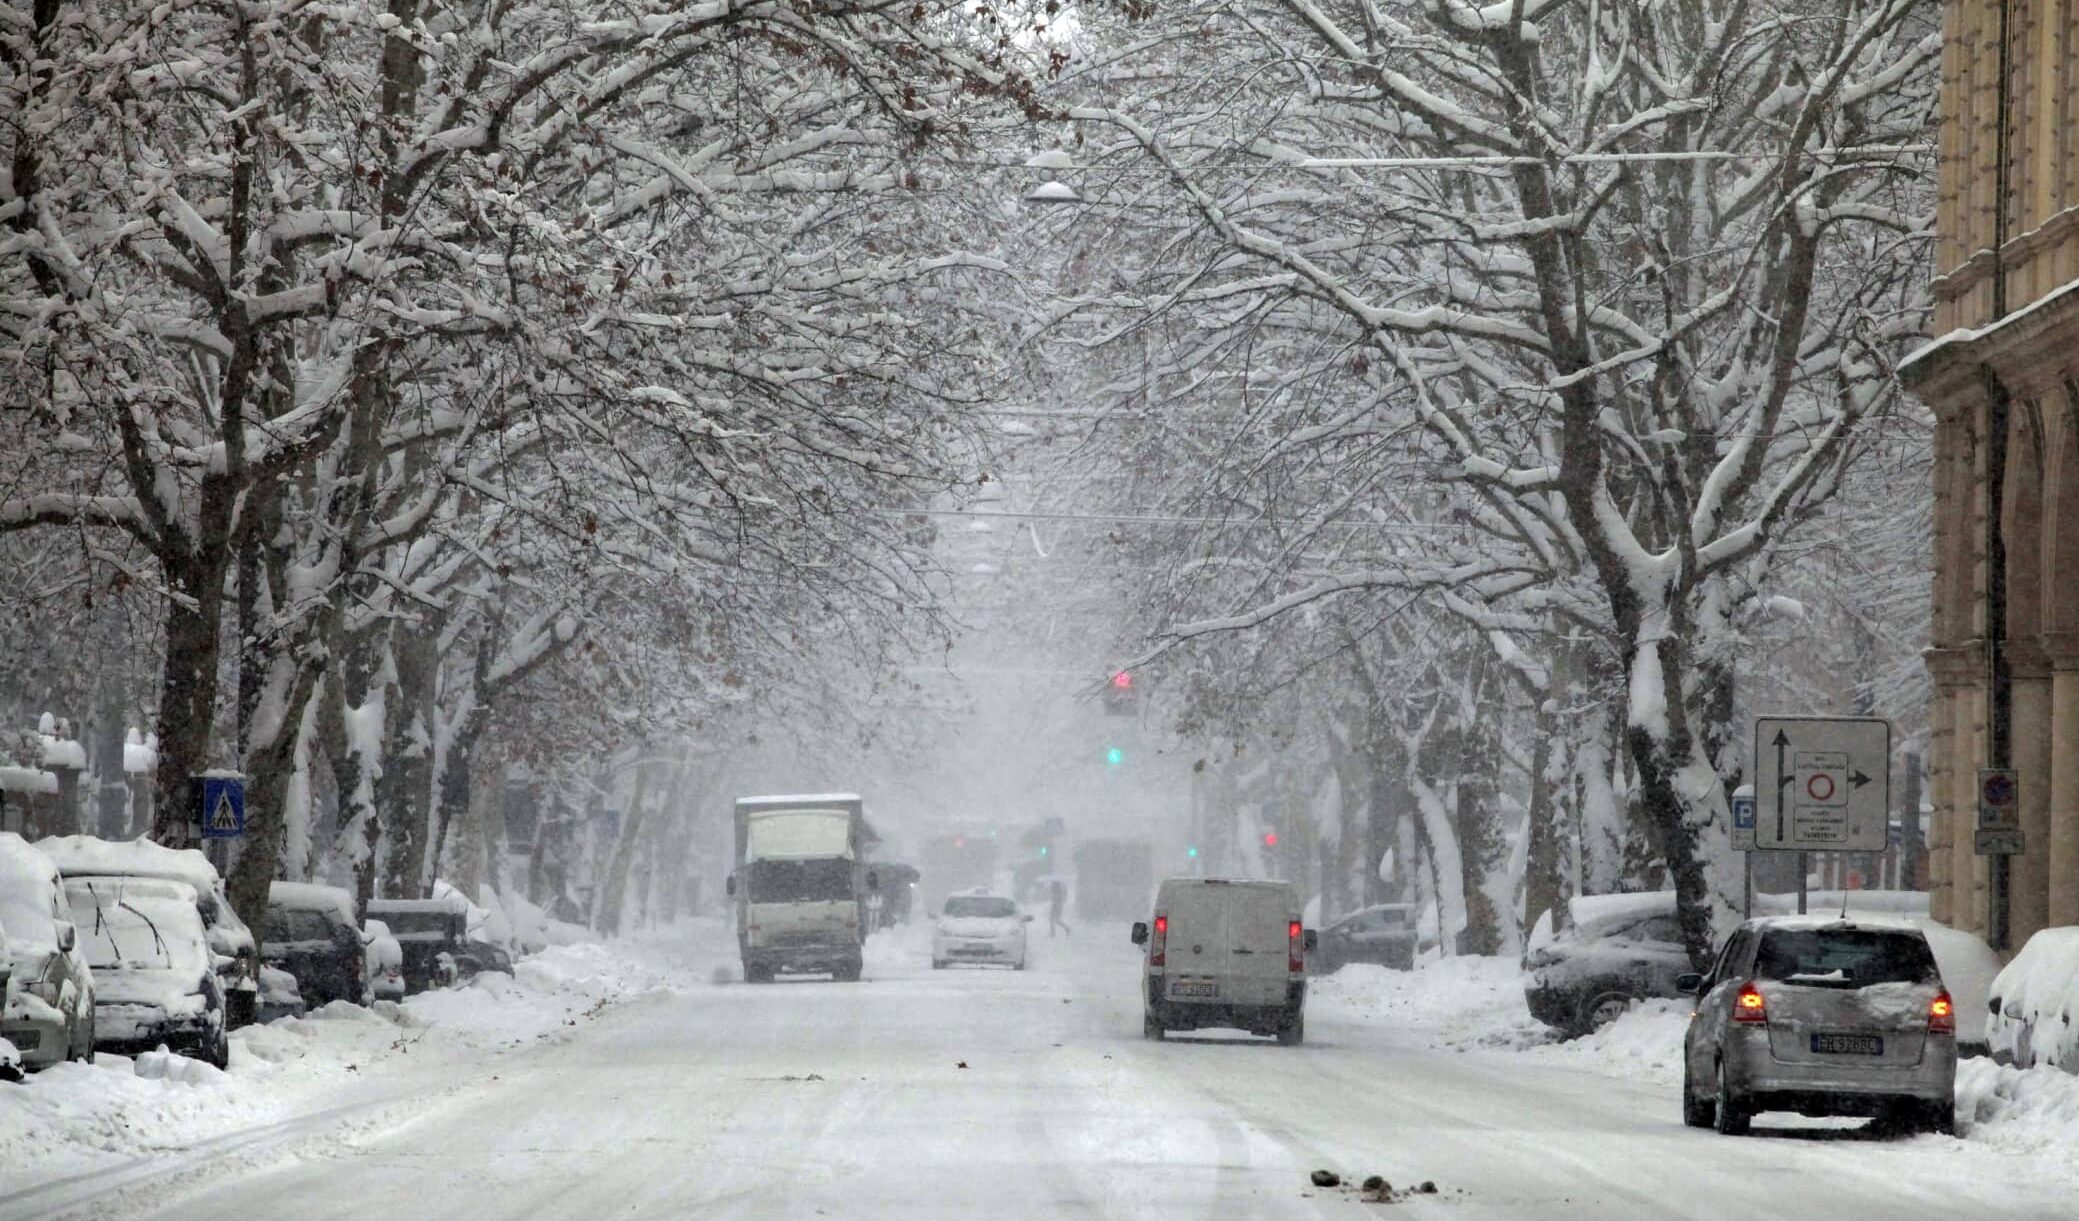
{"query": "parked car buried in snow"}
pixel 385 961
pixel 1821 1015
pixel 1616 949
pixel 85 856
pixel 439 946
pixel 156 979
pixel 49 1004
pixel 1383 933
pixel 2033 1006
pixel 311 934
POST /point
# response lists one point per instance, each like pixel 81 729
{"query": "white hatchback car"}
pixel 979 927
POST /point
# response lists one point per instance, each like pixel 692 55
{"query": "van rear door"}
pixel 1259 943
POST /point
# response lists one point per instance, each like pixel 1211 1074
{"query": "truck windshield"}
pixel 824 880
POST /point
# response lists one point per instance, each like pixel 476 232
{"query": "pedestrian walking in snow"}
pixel 1057 896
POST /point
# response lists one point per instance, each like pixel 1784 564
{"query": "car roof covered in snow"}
pixel 310 896
pixel 90 856
pixel 1822 920
pixel 24 903
pixel 446 905
pixel 1600 913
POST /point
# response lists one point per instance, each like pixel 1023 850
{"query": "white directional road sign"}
pixel 1822 783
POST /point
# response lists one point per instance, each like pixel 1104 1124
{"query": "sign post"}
pixel 1821 784
pixel 219 804
pixel 1999 814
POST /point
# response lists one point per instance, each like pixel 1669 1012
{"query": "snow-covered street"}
pixel 922 1094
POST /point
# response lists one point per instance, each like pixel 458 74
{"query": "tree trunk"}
pixel 187 695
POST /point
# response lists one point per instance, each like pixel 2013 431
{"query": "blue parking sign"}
pixel 223 807
pixel 1743 812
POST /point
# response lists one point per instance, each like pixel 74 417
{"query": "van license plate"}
pixel 1194 987
pixel 1848 1045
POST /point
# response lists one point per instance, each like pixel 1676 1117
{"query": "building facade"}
pixel 2003 382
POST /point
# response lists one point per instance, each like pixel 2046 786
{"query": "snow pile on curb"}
pixel 73 1117
pixel 2018 1110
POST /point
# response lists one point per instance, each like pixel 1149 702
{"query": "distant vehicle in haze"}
pixel 1822 1016
pixel 1223 952
pixel 438 945
pixel 1384 933
pixel 1114 878
pixel 801 885
pixel 979 928
pixel 956 863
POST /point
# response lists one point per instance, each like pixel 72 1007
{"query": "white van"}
pixel 1226 952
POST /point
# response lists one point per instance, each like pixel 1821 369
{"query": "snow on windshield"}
pixel 132 932
pixel 1855 957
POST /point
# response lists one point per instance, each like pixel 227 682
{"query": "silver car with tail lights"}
pixel 1821 1016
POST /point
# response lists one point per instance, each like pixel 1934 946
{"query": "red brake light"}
pixel 1158 944
pixel 1295 953
pixel 1941 1015
pixel 1750 1005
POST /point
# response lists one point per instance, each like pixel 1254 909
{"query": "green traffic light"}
pixel 1043 850
pixel 1191 852
pixel 1115 756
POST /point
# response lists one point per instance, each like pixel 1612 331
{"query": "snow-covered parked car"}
pixel 979 928
pixel 85 856
pixel 310 933
pixel 49 1010
pixel 2032 1009
pixel 385 961
pixel 1615 949
pixel 10 1059
pixel 156 981
pixel 442 938
pixel 1384 933
pixel 279 996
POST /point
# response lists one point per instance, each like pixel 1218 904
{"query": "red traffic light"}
pixel 1122 681
pixel 1270 839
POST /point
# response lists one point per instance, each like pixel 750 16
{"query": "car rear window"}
pixel 1852 958
pixel 979 907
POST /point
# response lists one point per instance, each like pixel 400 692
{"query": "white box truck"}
pixel 801 884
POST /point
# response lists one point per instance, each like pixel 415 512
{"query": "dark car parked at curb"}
pixel 311 934
pixel 1821 1016
pixel 1615 950
pixel 1383 933
pixel 439 946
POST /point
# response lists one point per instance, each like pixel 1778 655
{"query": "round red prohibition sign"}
pixel 1820 786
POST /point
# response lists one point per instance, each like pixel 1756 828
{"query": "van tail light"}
pixel 1158 942
pixel 1750 1006
pixel 1295 947
pixel 1941 1015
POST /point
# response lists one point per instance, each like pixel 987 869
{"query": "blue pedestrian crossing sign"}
pixel 223 807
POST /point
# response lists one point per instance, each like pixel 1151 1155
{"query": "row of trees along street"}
pixel 1522 391
pixel 400 392
pixel 1498 401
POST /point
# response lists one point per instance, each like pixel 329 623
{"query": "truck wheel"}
pixel 848 972
pixel 757 973
pixel 1151 1027
pixel 1293 1031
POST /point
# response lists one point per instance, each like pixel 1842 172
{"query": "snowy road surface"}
pixel 921 1095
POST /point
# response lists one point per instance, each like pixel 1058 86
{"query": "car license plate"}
pixel 1194 987
pixel 1848 1044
